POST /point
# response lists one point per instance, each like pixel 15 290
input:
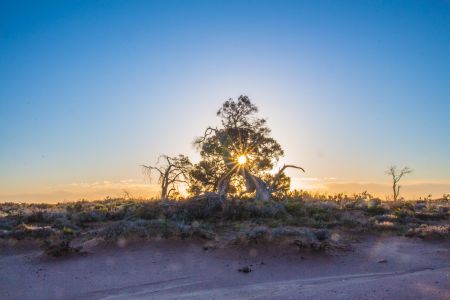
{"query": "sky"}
pixel 90 90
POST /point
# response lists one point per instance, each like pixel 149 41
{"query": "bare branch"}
pixel 173 172
pixel 210 130
pixel 278 175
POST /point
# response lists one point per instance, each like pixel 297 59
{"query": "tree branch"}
pixel 278 175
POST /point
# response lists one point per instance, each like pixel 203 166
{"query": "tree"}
pixel 392 171
pixel 236 156
pixel 175 171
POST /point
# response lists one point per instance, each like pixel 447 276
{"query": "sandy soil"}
pixel 377 268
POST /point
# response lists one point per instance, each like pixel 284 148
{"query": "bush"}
pixel 147 211
pixel 425 231
pixel 24 231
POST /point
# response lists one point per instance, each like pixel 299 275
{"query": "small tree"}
pixel 392 171
pixel 175 171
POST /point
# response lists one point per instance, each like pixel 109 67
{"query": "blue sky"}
pixel 89 90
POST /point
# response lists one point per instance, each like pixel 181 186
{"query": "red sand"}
pixel 409 269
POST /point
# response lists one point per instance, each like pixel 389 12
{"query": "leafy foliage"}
pixel 241 133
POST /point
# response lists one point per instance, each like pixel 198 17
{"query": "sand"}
pixel 376 268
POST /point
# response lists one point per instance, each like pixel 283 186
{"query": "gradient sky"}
pixel 89 90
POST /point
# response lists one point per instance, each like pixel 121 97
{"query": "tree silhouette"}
pixel 242 146
pixel 174 171
pixel 392 171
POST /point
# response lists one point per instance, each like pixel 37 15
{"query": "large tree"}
pixel 237 156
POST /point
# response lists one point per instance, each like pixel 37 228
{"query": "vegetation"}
pixel 225 188
pixel 236 158
pixel 299 218
pixel 175 171
pixel 396 176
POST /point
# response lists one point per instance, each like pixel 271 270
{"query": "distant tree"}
pixel 126 194
pixel 396 176
pixel 174 171
pixel 237 157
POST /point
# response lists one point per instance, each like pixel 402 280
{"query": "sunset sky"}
pixel 90 90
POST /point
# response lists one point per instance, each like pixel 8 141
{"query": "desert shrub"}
pixel 431 215
pixel 350 223
pixel 43 217
pixel 23 231
pixel 236 210
pixel 64 222
pixel 59 248
pixel 239 210
pixel 402 213
pixel 74 208
pixel 147 211
pixel 301 237
pixel 90 216
pixel 425 231
pixel 384 225
pixel 59 245
pixel 201 208
pixel 320 213
pixel 9 222
pixel 254 235
pixel 401 205
pixel 154 228
pixel 321 216
pixel 296 209
pixel 386 218
pixel 141 228
pixel 376 210
pixel 310 240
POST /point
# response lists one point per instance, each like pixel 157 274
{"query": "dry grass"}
pixel 308 221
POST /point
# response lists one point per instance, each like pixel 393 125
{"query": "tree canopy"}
pixel 242 143
pixel 237 157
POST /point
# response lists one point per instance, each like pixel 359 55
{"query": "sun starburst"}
pixel 242 159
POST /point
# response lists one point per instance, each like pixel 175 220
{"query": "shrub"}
pixel 147 211
pixel 425 231
pixel 376 210
pixel 24 231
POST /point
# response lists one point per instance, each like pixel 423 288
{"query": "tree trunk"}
pixel 163 191
pixel 394 187
pixel 253 183
pixel 223 185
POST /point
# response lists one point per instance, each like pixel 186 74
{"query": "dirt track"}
pixel 378 268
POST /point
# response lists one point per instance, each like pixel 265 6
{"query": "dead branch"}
pixel 278 175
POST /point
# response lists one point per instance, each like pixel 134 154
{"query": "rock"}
pixel 322 234
pixel 245 270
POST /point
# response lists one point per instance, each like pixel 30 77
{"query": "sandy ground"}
pixel 377 268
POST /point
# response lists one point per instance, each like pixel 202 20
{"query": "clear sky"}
pixel 89 90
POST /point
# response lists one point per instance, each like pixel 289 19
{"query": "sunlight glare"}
pixel 242 159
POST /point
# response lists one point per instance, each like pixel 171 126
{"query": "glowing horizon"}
pixel 141 188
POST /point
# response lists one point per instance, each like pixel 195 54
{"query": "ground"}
pixel 375 268
pixel 203 248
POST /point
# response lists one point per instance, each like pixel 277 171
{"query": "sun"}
pixel 242 159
